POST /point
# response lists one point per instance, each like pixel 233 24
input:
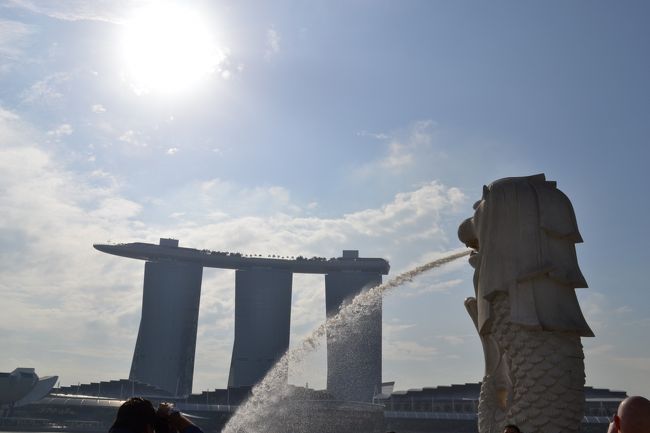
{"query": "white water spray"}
pixel 257 412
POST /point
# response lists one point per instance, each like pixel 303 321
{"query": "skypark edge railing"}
pixel 227 260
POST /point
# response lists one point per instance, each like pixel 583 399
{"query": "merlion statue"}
pixel 526 312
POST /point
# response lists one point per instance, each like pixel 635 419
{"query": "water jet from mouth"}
pixel 263 411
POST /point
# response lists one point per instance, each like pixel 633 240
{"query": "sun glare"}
pixel 168 49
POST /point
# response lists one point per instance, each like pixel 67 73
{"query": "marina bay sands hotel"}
pixel 166 342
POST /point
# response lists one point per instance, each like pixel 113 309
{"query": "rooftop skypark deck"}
pixel 169 250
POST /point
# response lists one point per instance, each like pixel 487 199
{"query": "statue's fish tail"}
pixel 547 372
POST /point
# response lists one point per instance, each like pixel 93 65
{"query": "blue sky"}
pixel 317 127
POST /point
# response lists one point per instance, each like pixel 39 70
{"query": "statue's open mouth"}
pixel 474 258
pixel 467 234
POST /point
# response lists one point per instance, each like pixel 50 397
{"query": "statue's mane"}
pixel 526 228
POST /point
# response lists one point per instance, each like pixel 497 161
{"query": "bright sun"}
pixel 168 49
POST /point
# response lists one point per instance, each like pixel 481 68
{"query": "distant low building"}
pixel 454 408
pixel 21 387
pixel 443 409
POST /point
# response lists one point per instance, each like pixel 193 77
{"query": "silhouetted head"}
pixel 633 415
pixel 523 228
pixel 136 415
pixel 511 428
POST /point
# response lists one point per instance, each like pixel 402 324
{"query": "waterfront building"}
pixel 166 343
pixel 22 387
pixel 353 349
pixel 455 408
pixel 442 409
pixel 262 322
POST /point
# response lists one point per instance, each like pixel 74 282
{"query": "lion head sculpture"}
pixel 524 233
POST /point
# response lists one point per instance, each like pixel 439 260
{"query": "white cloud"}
pixel 115 209
pixel 454 340
pixel 54 284
pixel 76 10
pixel 172 151
pixel 221 215
pixel 395 326
pixel 98 108
pixel 398 348
pixel 272 43
pixel 407 208
pixel 61 131
pixel 375 135
pixel 46 91
pixel 398 157
pixel 266 218
pixel 133 137
pixel 402 149
pixel 624 309
pixel 308 304
pixel 599 349
pixel 595 309
pixel 13 38
pixel 10 134
pixel 438 287
pixel 408 350
pixel 401 153
pixel 224 64
pixel 202 199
